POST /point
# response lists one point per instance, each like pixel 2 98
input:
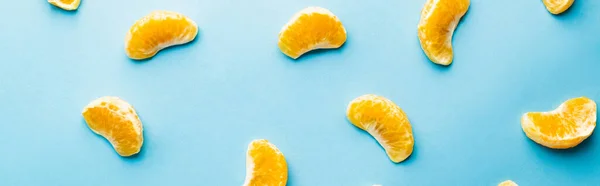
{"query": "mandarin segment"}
pixel 439 19
pixel 557 6
pixel 508 183
pixel 66 4
pixel 310 29
pixel 117 121
pixel 386 122
pixel 156 31
pixel 265 165
pixel 564 127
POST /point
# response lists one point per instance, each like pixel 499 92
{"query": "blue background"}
pixel 202 103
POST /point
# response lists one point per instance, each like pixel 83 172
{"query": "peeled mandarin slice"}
pixel 265 165
pixel 386 122
pixel 117 121
pixel 558 6
pixel 310 29
pixel 156 31
pixel 439 19
pixel 564 127
pixel 66 4
pixel 508 183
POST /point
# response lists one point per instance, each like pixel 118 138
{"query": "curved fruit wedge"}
pixel 386 122
pixel 117 121
pixel 265 165
pixel 558 6
pixel 310 29
pixel 66 4
pixel 508 183
pixel 439 19
pixel 564 127
pixel 156 31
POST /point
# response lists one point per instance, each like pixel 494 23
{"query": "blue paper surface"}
pixel 202 103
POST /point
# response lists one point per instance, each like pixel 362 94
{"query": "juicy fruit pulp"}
pixel 439 19
pixel 117 121
pixel 508 183
pixel 558 6
pixel 265 165
pixel 565 127
pixel 66 4
pixel 386 122
pixel 310 29
pixel 156 31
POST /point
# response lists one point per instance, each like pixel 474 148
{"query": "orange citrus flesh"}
pixel 386 122
pixel 265 165
pixel 310 29
pixel 66 4
pixel 565 127
pixel 117 121
pixel 156 31
pixel 439 19
pixel 508 183
pixel 558 6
